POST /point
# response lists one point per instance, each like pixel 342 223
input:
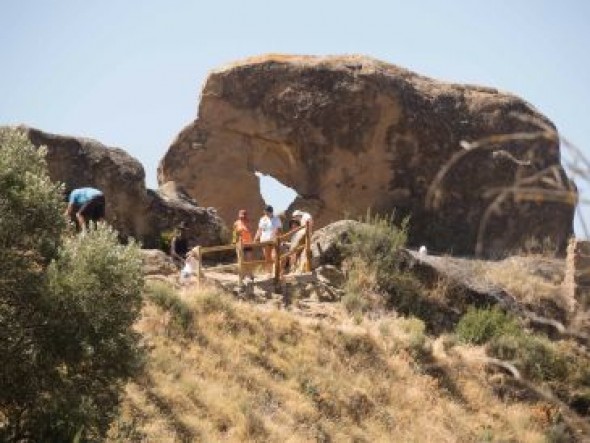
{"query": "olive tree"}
pixel 67 306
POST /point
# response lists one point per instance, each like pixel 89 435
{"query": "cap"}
pixel 297 213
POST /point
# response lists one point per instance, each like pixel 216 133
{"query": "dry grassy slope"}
pixel 236 372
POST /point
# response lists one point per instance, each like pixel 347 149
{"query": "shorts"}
pixel 93 209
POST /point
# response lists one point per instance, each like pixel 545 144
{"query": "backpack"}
pixel 235 236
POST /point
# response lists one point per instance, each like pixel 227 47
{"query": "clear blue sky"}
pixel 128 73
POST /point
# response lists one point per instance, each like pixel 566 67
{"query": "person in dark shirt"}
pixel 179 245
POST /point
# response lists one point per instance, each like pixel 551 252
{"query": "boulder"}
pixel 352 133
pixel 131 208
pixel 326 243
pixel 156 262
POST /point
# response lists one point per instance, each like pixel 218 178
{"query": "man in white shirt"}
pixel 269 227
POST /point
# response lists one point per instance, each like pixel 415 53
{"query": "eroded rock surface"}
pixel 131 208
pixel 352 133
pixel 327 242
pixel 156 262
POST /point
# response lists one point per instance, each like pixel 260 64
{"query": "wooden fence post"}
pixel 307 249
pixel 198 258
pixel 277 262
pixel 240 255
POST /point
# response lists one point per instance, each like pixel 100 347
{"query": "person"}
pixel 269 227
pixel 179 245
pixel 242 232
pixel 85 205
pixel 304 219
pixel 291 260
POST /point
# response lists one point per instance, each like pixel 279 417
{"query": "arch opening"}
pixel 275 193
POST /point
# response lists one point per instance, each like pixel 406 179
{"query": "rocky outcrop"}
pixel 327 243
pixel 131 208
pixel 156 262
pixel 352 133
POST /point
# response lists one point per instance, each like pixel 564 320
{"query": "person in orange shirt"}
pixel 242 232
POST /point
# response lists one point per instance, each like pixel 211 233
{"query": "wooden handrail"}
pixel 220 267
pixel 292 252
pixel 291 232
pixel 254 262
pixel 207 249
pixel 242 264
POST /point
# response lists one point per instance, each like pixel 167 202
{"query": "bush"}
pixel 376 241
pixel 166 240
pixel 375 268
pixel 478 326
pixel 66 309
pixel 536 357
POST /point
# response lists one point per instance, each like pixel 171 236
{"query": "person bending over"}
pixel 85 205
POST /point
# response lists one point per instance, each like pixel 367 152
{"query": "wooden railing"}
pixel 244 267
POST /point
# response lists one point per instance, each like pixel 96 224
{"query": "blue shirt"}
pixel 82 195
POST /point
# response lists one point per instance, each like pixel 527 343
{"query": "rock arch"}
pixel 352 133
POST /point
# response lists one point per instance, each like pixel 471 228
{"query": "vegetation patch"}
pixel 67 306
pixel 478 326
pixel 181 316
pixel 376 277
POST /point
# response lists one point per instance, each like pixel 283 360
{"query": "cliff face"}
pixel 131 208
pixel 352 133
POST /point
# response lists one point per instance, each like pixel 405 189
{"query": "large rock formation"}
pixel 131 208
pixel 352 133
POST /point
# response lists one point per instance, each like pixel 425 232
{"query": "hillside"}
pixel 224 369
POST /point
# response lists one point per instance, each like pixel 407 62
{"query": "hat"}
pixel 269 209
pixel 297 213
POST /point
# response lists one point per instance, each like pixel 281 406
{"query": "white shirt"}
pixel 268 227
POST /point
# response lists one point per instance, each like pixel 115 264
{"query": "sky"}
pixel 129 73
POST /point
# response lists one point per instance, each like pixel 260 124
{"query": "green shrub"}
pixel 166 240
pixel 536 357
pixel 66 309
pixel 376 275
pixel 478 326
pixel 376 241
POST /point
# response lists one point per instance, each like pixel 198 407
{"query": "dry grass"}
pixel 240 373
pixel 537 291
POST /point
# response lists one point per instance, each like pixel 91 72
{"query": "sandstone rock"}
pixel 351 133
pixel 331 275
pixel 131 208
pixel 203 225
pixel 156 262
pixel 468 287
pixel 326 243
